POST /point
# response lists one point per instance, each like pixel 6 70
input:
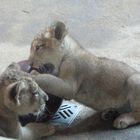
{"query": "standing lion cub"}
pixel 20 94
pixel 100 83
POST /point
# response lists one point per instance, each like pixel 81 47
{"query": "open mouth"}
pixel 13 93
pixel 46 68
pixel 27 67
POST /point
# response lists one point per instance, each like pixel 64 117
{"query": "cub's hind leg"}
pixel 133 117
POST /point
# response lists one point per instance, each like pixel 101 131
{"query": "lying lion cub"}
pixel 100 83
pixel 20 94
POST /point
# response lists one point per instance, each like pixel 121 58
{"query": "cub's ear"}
pixel 57 30
pixel 12 94
pixel 14 66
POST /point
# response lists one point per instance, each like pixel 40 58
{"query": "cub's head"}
pixel 46 47
pixel 22 94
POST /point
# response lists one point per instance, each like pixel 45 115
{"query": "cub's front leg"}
pixel 56 86
pixel 35 131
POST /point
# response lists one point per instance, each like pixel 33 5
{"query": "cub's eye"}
pixel 39 47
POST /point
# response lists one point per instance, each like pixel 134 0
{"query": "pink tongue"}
pixel 25 65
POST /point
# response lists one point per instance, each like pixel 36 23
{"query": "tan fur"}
pixel 20 95
pixel 100 83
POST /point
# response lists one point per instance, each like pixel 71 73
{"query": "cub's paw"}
pixel 46 130
pixel 109 114
pixel 50 131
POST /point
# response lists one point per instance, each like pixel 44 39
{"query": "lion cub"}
pixel 20 94
pixel 100 83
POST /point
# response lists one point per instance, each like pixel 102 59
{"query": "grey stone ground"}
pixel 106 27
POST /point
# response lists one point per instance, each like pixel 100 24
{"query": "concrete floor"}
pixel 106 27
